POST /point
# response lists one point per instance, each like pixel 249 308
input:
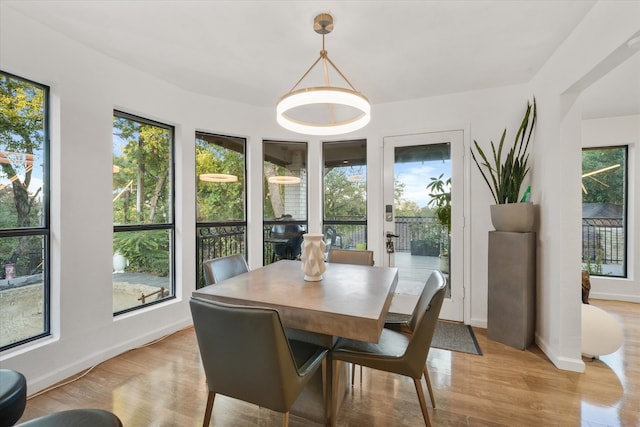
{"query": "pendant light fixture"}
pixel 326 109
pixel 218 177
pixel 284 179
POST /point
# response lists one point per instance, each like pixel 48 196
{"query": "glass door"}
pixel 423 213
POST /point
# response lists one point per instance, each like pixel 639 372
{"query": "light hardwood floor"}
pixel 163 385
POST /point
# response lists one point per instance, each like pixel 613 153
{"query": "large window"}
pixel 604 211
pixel 143 205
pixel 345 194
pixel 24 211
pixel 221 198
pixel 285 199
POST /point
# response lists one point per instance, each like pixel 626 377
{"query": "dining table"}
pixel 349 301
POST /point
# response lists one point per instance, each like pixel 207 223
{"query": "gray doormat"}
pixel 456 337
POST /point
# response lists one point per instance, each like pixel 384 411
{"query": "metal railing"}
pixel 603 240
pixel 345 234
pixel 418 235
pixel 214 241
pixel 426 230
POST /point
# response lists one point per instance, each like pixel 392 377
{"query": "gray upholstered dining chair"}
pixel 217 269
pixel 407 325
pixel 396 352
pixel 13 401
pixel 75 418
pixel 349 256
pixel 246 355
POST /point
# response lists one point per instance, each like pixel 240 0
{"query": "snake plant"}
pixel 505 176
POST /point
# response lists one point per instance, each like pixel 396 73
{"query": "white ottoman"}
pixel 601 333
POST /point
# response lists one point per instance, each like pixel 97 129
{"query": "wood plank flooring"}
pixel 163 384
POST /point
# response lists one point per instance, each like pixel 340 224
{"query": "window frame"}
pixel 44 229
pixel 160 226
pixel 269 249
pixel 625 211
pixel 326 223
pixel 233 224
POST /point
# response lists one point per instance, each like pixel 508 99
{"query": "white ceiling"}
pixel 254 51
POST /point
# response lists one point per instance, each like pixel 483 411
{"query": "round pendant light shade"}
pixel 284 179
pixel 218 177
pixel 326 109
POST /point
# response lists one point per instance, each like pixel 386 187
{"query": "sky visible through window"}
pixel 417 175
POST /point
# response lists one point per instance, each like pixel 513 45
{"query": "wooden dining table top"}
pixel 350 301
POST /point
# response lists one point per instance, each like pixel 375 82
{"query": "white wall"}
pixel 614 131
pixel 557 170
pixel 87 86
pixel 482 115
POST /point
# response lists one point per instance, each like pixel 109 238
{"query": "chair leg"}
pixel 286 419
pixel 423 403
pixel 207 411
pixel 323 367
pixel 335 380
pixel 426 377
pixel 353 374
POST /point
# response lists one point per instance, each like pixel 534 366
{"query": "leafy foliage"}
pixel 505 176
pixel 147 251
pixel 441 199
pixel 21 144
pixel 22 139
pixel 142 193
pixel 345 193
pixel 219 201
pixel 141 182
pixel 607 186
pixel 594 268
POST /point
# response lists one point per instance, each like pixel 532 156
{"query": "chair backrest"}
pixel 423 322
pixel 347 256
pixel 245 354
pixel 435 279
pixel 218 269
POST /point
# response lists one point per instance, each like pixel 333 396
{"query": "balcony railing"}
pixel 426 230
pixel 215 241
pixel 603 241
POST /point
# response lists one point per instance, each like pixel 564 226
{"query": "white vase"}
pixel 444 263
pixel 119 263
pixel 514 217
pixel 312 257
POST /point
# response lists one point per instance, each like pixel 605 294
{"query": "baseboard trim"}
pixel 36 385
pixel 561 362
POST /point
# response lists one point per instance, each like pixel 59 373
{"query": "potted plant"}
pixel 441 202
pixel 425 239
pixel 505 175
